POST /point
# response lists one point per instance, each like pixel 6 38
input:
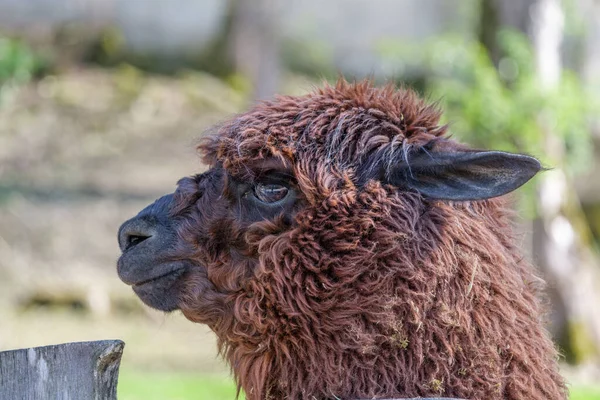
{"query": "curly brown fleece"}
pixel 361 290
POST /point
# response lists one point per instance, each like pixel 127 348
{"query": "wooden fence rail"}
pixel 70 371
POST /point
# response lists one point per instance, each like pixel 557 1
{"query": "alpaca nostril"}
pixel 135 231
pixel 133 240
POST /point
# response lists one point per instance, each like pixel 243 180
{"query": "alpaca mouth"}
pixel 161 290
pixel 175 272
pixel 156 279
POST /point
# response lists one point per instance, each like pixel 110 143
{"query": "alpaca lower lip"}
pixel 176 271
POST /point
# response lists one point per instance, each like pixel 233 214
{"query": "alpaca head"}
pixel 305 233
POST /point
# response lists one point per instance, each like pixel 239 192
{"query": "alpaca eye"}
pixel 270 193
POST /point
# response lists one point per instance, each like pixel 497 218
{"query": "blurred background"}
pixel 101 102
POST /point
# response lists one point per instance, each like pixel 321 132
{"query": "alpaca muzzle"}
pixel 146 264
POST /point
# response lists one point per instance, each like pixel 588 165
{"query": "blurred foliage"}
pixel 505 108
pixel 110 50
pixel 310 58
pixel 18 64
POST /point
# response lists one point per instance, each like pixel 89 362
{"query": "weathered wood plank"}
pixel 70 371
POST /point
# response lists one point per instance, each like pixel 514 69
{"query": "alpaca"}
pixel 341 246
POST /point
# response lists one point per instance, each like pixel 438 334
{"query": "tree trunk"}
pixel 495 14
pixel 255 44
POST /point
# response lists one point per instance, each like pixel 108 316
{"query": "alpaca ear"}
pixel 463 174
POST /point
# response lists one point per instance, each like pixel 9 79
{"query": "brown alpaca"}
pixel 341 247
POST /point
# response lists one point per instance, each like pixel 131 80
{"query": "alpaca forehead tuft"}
pixel 334 125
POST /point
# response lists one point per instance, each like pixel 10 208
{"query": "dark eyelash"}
pixel 263 176
pixel 274 175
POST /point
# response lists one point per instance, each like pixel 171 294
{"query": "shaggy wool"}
pixel 358 289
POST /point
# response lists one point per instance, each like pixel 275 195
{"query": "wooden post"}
pixel 85 370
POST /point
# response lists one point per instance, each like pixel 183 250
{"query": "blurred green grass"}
pixel 585 392
pixel 155 385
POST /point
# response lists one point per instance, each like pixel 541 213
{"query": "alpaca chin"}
pixel 161 293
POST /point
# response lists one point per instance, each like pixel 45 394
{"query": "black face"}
pixel 145 263
pixel 175 240
pixel 186 238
